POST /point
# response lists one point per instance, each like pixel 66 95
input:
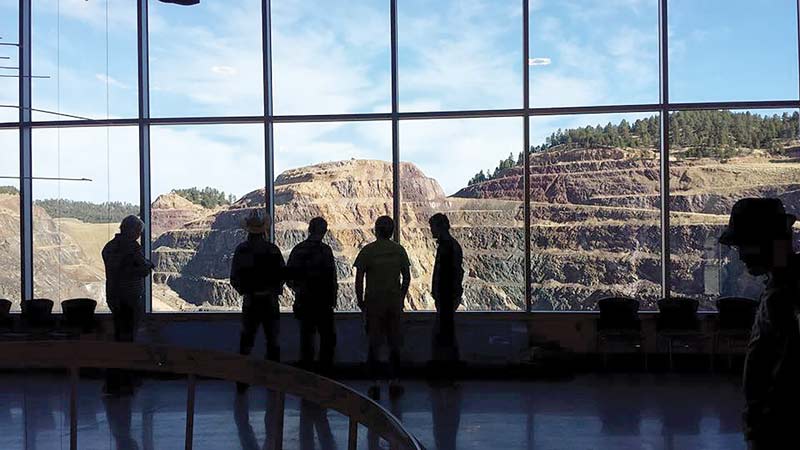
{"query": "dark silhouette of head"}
pixel 762 232
pixel 317 228
pixel 384 227
pixel 256 224
pixel 131 227
pixel 440 225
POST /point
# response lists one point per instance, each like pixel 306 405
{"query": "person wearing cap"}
pixel 312 277
pixel 385 265
pixel 446 287
pixel 257 275
pixel 762 232
pixel 126 269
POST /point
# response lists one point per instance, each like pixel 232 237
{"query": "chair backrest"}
pixel 736 313
pixel 37 312
pixel 5 317
pixel 678 313
pixel 79 311
pixel 5 307
pixel 618 313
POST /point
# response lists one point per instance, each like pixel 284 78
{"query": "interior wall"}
pixel 484 338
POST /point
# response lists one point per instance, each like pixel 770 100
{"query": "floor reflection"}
pixel 660 412
pixel 314 418
pixel 119 411
pixel 446 412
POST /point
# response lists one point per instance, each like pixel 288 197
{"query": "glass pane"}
pixel 717 158
pixel 74 217
pixel 88 52
pixel 205 59
pixel 442 159
pixel 459 54
pixel 331 57
pixel 9 61
pixel 342 172
pixel 593 52
pixel 595 226
pixel 751 46
pixel 10 283
pixel 205 180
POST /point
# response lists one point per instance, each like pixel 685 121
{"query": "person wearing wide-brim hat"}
pixel 761 230
pixel 257 274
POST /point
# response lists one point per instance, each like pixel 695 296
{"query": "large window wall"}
pixel 580 149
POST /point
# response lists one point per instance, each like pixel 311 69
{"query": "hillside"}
pixel 194 260
pixel 596 219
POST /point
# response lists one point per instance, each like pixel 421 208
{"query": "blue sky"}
pixel 333 57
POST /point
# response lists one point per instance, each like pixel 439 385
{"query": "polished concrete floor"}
pixel 638 411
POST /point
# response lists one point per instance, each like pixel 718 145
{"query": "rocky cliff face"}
pixel 171 211
pixel 9 248
pixel 62 268
pixel 194 260
pixel 596 225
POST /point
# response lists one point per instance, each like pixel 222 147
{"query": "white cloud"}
pixel 227 157
pixel 120 13
pixel 539 61
pixel 303 144
pixel 103 78
pixel 459 55
pixel 109 157
pixel 331 61
pixel 606 50
pixel 453 150
pixel 224 70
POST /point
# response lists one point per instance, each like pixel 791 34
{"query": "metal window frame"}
pixel 143 121
pixel 145 200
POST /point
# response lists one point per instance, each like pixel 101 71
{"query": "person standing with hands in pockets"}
pixel 386 267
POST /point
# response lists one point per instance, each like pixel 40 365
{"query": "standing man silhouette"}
pixel 385 265
pixel 446 287
pixel 257 274
pixel 126 269
pixel 312 277
pixel 762 232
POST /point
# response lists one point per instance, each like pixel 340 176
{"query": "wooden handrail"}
pixel 283 379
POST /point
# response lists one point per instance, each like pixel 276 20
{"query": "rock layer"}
pixel 194 260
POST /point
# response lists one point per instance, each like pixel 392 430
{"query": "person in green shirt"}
pixel 385 265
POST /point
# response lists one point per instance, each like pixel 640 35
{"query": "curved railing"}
pixel 279 378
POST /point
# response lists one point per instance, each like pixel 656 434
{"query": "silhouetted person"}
pixel 446 412
pixel 374 440
pixel 386 267
pixel 312 273
pixel 762 232
pixel 446 287
pixel 241 416
pixel 256 274
pixel 118 415
pixel 126 269
pixel 313 416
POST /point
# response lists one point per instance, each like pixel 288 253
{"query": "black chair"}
pixel 78 313
pixel 678 324
pixel 735 316
pixel 619 323
pixel 6 322
pixel 37 313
